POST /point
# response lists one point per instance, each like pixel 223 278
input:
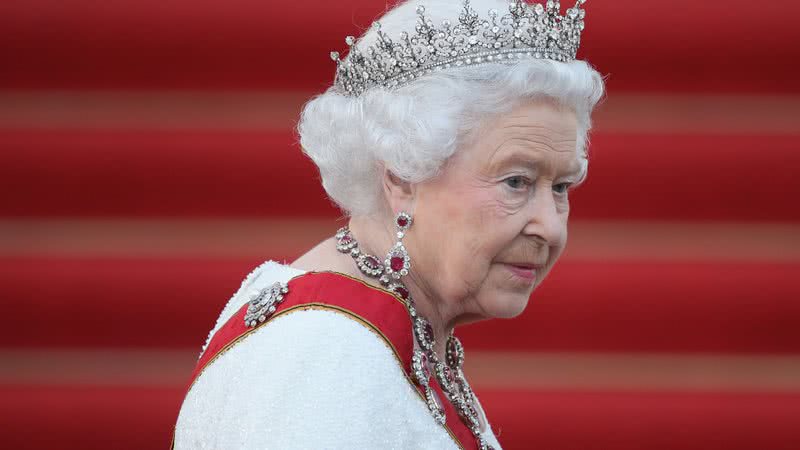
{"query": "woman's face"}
pixel 489 229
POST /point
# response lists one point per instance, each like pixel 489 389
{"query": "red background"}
pixel 149 163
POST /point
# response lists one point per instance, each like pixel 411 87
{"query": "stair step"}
pixel 74 417
pixel 260 174
pixel 672 306
pixel 629 420
pixel 238 44
pixel 80 417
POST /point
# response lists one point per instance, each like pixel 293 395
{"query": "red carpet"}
pixel 637 306
pixel 82 142
pixel 134 418
pixel 218 173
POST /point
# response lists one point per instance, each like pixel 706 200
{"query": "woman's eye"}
pixel 562 188
pixel 516 182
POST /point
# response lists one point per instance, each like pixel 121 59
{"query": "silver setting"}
pixel 344 240
pixel 435 405
pixel 526 31
pixel 454 352
pixel 483 445
pixel 419 368
pixel 447 380
pixel 397 253
pixel 424 333
pixel 399 289
pixel 403 221
pixel 368 264
pixel 264 303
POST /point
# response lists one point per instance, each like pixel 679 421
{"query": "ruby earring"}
pixel 397 262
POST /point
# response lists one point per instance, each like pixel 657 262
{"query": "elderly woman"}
pixel 452 137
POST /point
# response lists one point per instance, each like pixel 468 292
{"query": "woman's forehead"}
pixel 529 135
pixel 537 117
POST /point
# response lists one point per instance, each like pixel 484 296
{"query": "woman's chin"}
pixel 506 305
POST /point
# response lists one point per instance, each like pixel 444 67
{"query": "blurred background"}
pixel 148 163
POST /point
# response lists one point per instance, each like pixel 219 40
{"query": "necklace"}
pixel 448 373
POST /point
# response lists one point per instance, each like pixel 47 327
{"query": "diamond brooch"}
pixel 264 303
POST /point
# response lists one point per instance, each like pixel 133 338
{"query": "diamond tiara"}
pixel 526 31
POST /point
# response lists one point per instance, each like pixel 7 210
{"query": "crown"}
pixel 526 31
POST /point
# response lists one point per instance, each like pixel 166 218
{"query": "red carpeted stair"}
pixel 77 150
pixel 623 306
pixel 219 173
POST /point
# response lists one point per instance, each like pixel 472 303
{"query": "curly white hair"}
pixel 412 130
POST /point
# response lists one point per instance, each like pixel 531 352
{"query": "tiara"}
pixel 526 31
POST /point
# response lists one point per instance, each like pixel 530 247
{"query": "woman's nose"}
pixel 545 220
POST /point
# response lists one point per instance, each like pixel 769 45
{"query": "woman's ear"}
pixel 398 192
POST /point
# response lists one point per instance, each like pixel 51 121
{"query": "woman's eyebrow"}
pixel 526 159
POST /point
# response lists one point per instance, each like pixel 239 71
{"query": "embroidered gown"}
pixel 329 368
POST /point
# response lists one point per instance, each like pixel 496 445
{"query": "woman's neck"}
pixel 375 237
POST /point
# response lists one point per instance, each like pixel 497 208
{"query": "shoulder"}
pixel 262 275
pixel 286 310
pixel 316 367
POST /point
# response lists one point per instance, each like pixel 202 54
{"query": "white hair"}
pixel 412 130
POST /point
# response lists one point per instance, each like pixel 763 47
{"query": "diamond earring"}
pixel 397 262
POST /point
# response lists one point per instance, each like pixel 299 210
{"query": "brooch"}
pixel 263 303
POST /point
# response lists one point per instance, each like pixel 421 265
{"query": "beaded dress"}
pixel 326 366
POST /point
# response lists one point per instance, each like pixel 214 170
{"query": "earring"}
pixel 397 262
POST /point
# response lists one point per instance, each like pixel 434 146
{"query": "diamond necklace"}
pixel 448 373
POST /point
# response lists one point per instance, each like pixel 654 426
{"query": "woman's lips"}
pixel 526 272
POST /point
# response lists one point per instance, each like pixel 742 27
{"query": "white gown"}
pixel 311 379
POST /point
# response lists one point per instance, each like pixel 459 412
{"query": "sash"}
pixel 381 311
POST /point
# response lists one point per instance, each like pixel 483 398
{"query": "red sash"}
pixel 377 309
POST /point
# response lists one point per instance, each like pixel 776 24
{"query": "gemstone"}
pixel 435 405
pixel 454 352
pixel 424 333
pixel 446 379
pixel 472 410
pixel 448 374
pixel 419 364
pixel 402 292
pixel 396 263
pixel 463 387
pixel 427 331
pixel 371 261
pixel 402 221
pixel 426 372
pixel 347 239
